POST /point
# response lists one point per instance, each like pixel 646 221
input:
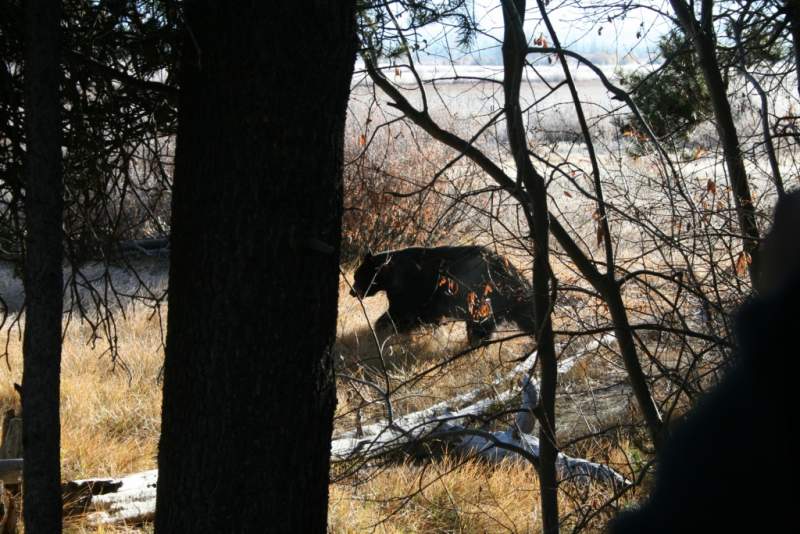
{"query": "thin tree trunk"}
pixel 248 376
pixel 514 51
pixel 43 270
pixel 793 14
pixel 582 261
pixel 636 376
pixel 702 36
pixel 766 131
pixel 607 284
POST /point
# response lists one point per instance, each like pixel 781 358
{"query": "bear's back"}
pixel 448 254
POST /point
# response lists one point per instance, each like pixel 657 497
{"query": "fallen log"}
pixel 11 471
pixel 129 500
pixel 446 407
pixel 452 431
pixel 146 247
pixel 472 399
pixel 444 423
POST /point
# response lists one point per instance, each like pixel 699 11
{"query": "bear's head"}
pixel 370 276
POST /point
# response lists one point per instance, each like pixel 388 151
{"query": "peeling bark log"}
pixel 443 422
pixel 106 501
pixel 131 499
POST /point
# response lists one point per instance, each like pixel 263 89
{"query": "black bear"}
pixel 427 285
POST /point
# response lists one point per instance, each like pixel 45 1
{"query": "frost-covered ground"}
pixel 545 70
pixel 120 282
pixel 465 99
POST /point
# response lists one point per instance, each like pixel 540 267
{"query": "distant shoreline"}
pixel 401 74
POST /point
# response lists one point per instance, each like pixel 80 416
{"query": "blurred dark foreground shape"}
pixel 727 467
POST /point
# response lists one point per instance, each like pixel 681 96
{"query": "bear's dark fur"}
pixel 429 285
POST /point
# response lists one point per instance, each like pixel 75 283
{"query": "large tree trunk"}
pixel 248 378
pixel 43 274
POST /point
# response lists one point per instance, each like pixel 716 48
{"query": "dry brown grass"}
pixel 111 422
pixel 455 496
pixel 444 496
pixel 110 414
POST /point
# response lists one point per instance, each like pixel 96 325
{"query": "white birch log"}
pixel 441 408
pixel 512 443
pixel 129 500
pixel 347 443
pixel 446 407
pixel 443 422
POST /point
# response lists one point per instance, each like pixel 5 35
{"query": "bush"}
pixel 674 99
pixel 388 203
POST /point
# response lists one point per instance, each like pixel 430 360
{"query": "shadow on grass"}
pixel 361 348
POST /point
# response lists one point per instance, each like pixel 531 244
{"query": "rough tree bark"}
pixel 43 275
pixel 248 383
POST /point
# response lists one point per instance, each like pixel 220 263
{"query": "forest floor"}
pixel 111 421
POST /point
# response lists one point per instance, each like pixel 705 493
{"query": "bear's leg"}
pixel 478 333
pixel 522 314
pixel 388 322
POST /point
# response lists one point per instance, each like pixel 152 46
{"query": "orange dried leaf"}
pixel 742 262
pixel 452 287
pixel 711 187
pixel 362 140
